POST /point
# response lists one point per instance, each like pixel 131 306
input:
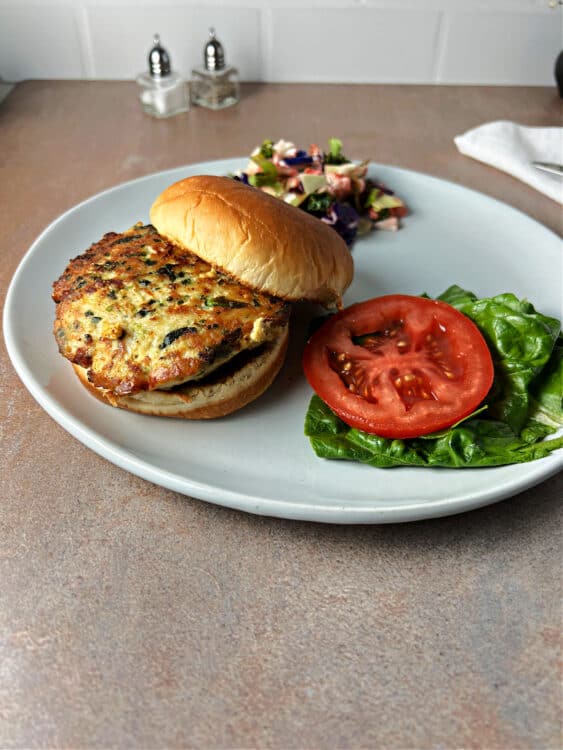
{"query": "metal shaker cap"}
pixel 213 53
pixel 159 59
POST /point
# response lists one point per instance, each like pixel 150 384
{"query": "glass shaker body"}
pixel 163 96
pixel 215 89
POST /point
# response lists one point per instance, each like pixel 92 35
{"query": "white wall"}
pixel 511 42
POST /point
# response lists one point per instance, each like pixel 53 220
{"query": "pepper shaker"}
pixel 163 92
pixel 215 85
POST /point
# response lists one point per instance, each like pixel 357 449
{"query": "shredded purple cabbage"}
pixel 344 219
pixel 302 158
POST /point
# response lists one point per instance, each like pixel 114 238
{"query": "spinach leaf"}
pixel 521 341
pixel 475 443
pixel 547 389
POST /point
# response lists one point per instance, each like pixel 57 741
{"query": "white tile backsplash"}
pixel 500 48
pixel 513 42
pixel 358 44
pixel 42 41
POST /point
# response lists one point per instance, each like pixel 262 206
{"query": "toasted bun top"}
pixel 262 241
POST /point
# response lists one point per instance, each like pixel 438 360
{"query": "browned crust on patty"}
pixel 138 313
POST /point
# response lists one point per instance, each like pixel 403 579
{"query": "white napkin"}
pixel 513 148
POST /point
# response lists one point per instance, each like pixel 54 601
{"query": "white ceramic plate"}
pixel 258 459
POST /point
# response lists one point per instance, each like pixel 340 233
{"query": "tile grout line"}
pixel 441 39
pixel 85 40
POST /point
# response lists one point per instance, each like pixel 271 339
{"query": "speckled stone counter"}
pixel 134 617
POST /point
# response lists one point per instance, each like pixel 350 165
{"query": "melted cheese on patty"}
pixel 140 313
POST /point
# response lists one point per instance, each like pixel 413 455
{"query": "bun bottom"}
pixel 216 397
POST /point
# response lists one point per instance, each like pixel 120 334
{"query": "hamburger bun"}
pixel 188 316
pixel 263 242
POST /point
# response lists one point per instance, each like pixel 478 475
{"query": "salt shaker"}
pixel 215 85
pixel 163 92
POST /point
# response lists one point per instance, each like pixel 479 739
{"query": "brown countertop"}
pixel 131 616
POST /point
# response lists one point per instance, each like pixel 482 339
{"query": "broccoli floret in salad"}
pixel 327 185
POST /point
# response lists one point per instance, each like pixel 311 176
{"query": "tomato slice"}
pixel 399 366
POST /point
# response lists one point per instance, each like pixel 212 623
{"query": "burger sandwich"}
pixel 188 316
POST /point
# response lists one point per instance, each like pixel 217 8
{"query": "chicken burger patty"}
pixel 138 313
